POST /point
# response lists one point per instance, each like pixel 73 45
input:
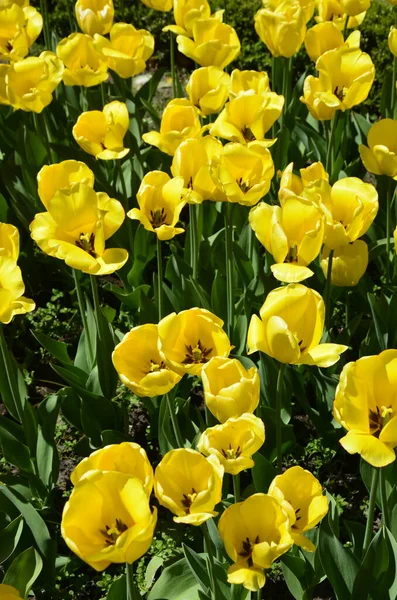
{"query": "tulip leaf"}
pixel 378 569
pixel 46 451
pixel 24 570
pixel 298 574
pixel 378 320
pixel 58 350
pixel 176 582
pixel 117 589
pixel 198 566
pixel 11 440
pixel 263 473
pixel 9 538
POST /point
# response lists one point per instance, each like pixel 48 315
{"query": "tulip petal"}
pixel 251 578
pixel 369 160
pixel 323 355
pixel 291 273
pixel 283 344
pixel 375 452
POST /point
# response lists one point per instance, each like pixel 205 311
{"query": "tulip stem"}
pixel 174 422
pixel 345 27
pixel 393 88
pixel 384 500
pixel 84 320
pixel 132 592
pixel 388 224
pixel 173 66
pixel 329 165
pixel 371 510
pixel 12 382
pixel 211 562
pixel 327 294
pixel 229 267
pixel 194 241
pixel 236 487
pixel 120 174
pixel 46 31
pixel 279 397
pixel 160 279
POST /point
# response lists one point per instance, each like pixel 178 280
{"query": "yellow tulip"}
pixel 127 50
pixel 243 173
pixel 31 81
pixel 248 117
pixel 282 28
pixel 160 200
pixel 244 81
pixel 189 485
pixel 208 89
pixel 381 155
pixel 349 263
pixel 214 43
pixel 392 41
pixel 186 12
pixel 192 161
pixel 128 458
pixel 255 533
pixel 107 519
pixel 230 390
pixel 84 64
pixel 331 10
pixel 101 133
pixel 19 28
pixel 8 592
pixel 301 497
pixel 346 75
pixel 76 226
pixel 179 122
pixel 234 442
pixel 52 178
pixel 9 241
pixel 295 185
pixel 12 301
pixel 293 234
pixel 355 7
pixel 94 16
pixel 163 5
pixel 144 373
pixel 321 38
pixel 366 406
pixel 4 69
pixel 291 326
pixel 306 5
pixel 395 239
pixel 6 3
pixel 189 339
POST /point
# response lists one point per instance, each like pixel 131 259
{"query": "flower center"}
pixel 86 242
pixel 188 500
pixel 111 534
pixel 248 135
pixel 197 354
pixel 340 93
pixel 378 419
pixel 292 256
pixel 230 453
pixel 154 367
pixel 243 185
pixel 297 518
pixel 158 217
pixel 248 547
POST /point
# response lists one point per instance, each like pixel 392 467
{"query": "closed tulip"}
pixel 128 458
pixel 189 485
pixel 255 533
pixel 380 157
pixel 75 227
pixel 101 132
pixel 283 28
pixel 293 234
pixel 321 38
pixel 348 265
pixel 84 65
pixel 332 10
pixel 192 161
pixel 52 178
pixel 143 372
pixel 163 5
pixel 291 326
pixel 179 122
pixel 243 173
pixel 306 5
pixel 214 43
pixel 301 497
pixel 127 50
pixel 234 442
pixel 108 520
pixel 208 89
pixel 30 82
pixel 248 117
pixel 366 406
pixel 160 201
pixel 8 592
pixel 346 75
pixel 94 16
pixel 355 7
pixel 392 41
pixel 230 390
pixel 245 81
pixel 189 339
pixel 19 28
pixel 186 12
pixel 9 241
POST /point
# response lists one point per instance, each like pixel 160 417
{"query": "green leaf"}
pixel 117 589
pixel 46 451
pixel 176 582
pixel 58 350
pixel 378 569
pixel 24 571
pixel 12 442
pixel 378 320
pixel 298 573
pixel 263 473
pixel 151 570
pixel 198 566
pixel 9 538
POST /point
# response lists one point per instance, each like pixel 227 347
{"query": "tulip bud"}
pixel 84 64
pixel 322 37
pixel 249 81
pixel 208 89
pixel 52 178
pixel 186 12
pixel 381 155
pixel 94 16
pixel 392 40
pixel 355 7
pixel 348 265
pixel 282 29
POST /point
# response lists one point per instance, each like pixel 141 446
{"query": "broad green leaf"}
pixel 12 442
pixel 176 582
pixel 58 350
pixel 24 570
pixel 9 538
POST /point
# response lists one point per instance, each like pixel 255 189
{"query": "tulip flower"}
pixel 230 390
pixel 4 70
pixel 192 161
pixel 306 5
pixel 293 234
pixel 8 592
pixel 282 28
pixel 214 43
pixel 208 89
pixel 327 36
pixel 392 41
pixel 128 458
pixel 180 121
pixel 332 10
pixel 245 81
pixel 248 117
pixel 163 5
pixel 366 406
pixel 345 79
pixel 234 442
pixel 75 227
pixel 108 519
pixel 52 178
pixel 186 12
pixel 19 29
pixel 300 495
pixel 355 7
pixel 291 326
pixel 31 81
pixel 294 185
pixel 94 16
pixel 189 339
pixel 127 50
pixel 101 133
pixel 160 200
pixel 9 241
pixel 144 373
pixel 380 157
pixel 189 485
pixel 255 533
pixel 243 173
pixel 349 263
pixel 395 239
pixel 84 64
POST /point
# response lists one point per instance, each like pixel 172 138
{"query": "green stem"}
pixel 388 225
pixel 72 24
pixel 46 31
pixel 259 595
pixel 236 487
pixel 132 593
pixel 97 308
pixel 174 422
pixel 103 94
pixel 327 293
pixel 393 89
pixel 120 175
pixel 84 320
pixel 345 27
pixel 160 279
pixel 12 382
pixel 173 66
pixel 194 241
pixel 211 562
pixel 371 510
pixel 384 501
pixel 279 398
pixel 229 267
pixel 329 165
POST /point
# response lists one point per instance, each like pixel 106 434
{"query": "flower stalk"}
pixel 371 510
pixel 279 398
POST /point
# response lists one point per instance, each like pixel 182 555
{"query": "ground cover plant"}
pixel 198 348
